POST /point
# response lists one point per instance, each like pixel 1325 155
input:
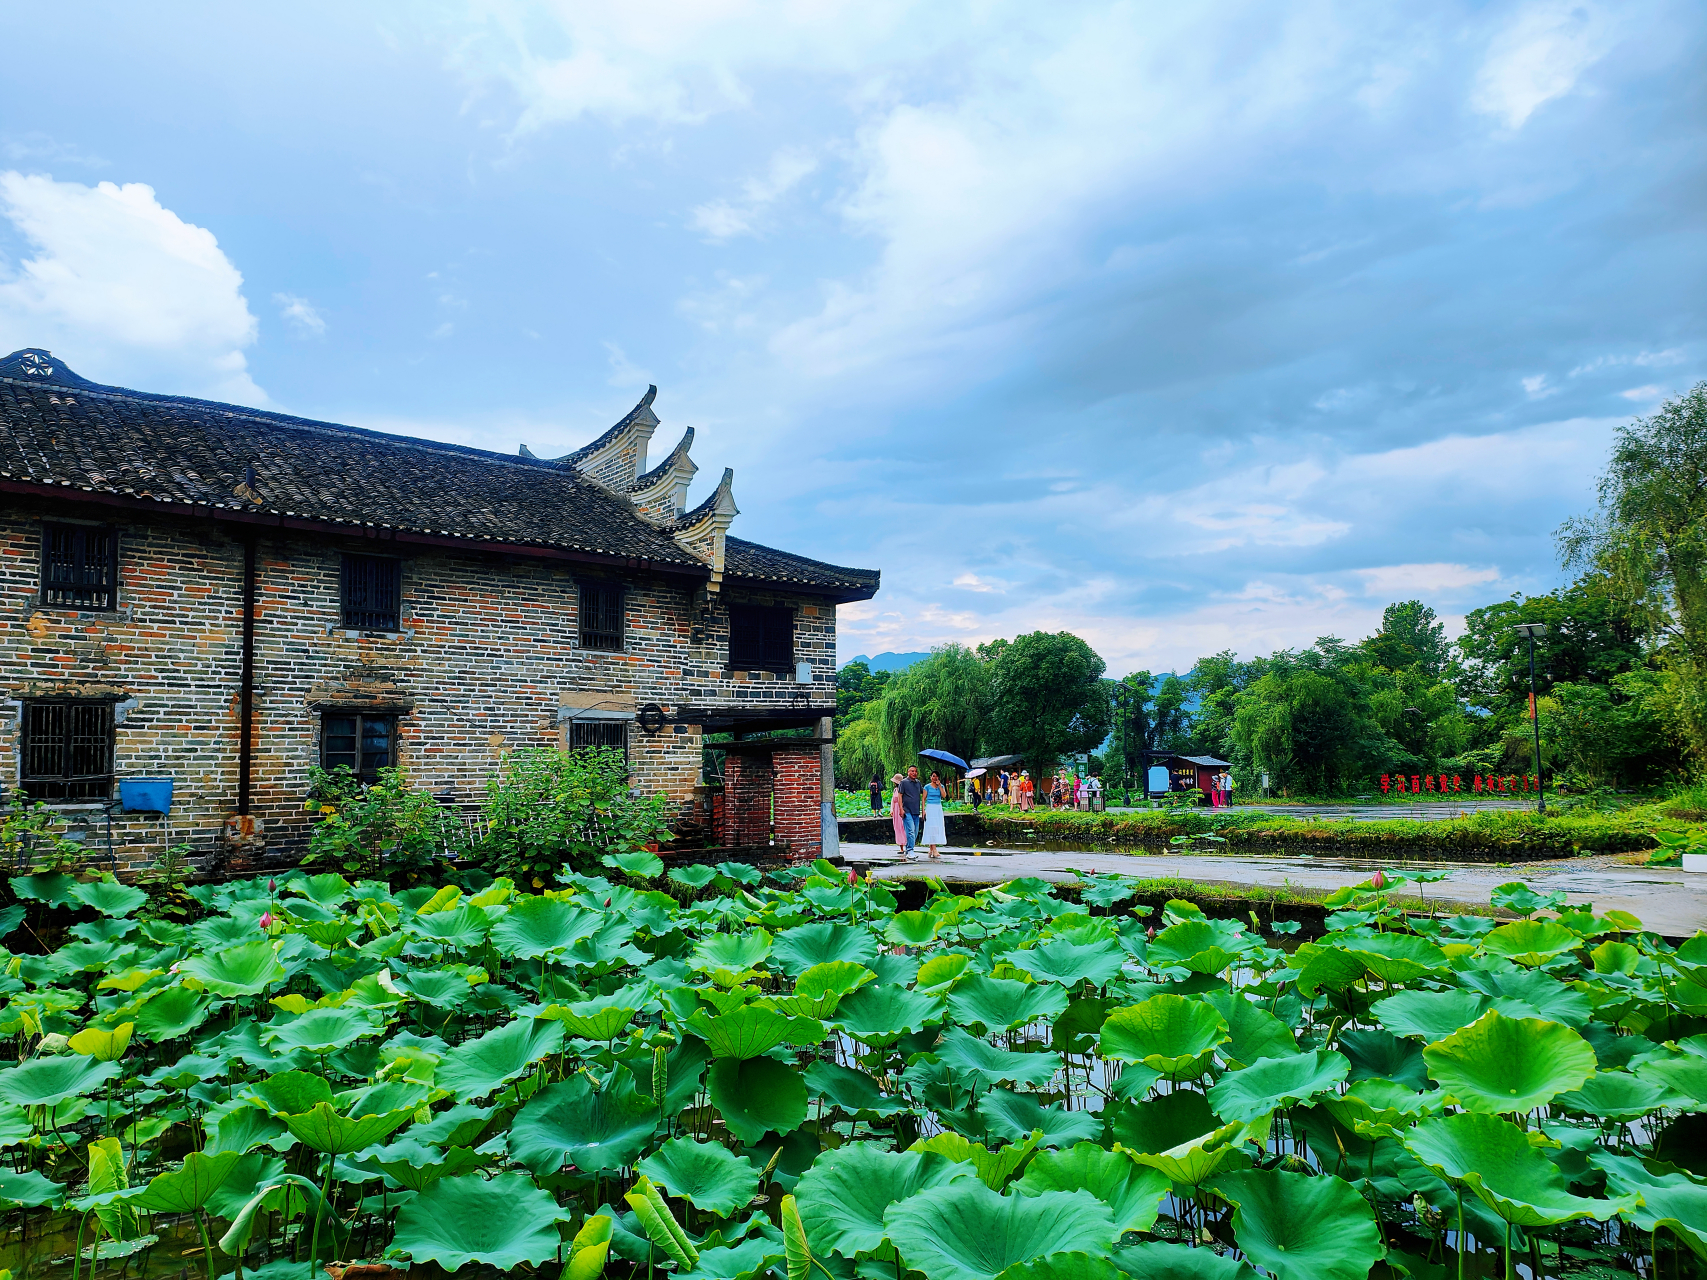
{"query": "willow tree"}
pixel 1650 537
pixel 938 702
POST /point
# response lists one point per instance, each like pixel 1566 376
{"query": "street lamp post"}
pixel 1531 630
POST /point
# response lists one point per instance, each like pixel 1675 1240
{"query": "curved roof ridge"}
pixel 587 450
pixel 657 473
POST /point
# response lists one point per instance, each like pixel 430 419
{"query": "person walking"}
pixel 935 829
pixel 977 795
pixel 876 794
pixel 911 790
pixel 1097 805
pixel 897 816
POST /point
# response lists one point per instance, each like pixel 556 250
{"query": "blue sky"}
pixel 1182 327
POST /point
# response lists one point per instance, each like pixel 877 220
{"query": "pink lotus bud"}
pixel 1377 881
pixel 267 920
pixel 607 902
pixel 272 886
pixel 852 878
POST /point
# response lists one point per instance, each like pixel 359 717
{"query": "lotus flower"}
pixel 607 902
pixel 267 920
pixel 272 886
pixel 1377 881
pixel 852 878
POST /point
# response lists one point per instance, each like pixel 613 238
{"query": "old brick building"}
pixel 226 597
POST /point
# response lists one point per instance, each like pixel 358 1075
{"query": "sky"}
pixel 1181 327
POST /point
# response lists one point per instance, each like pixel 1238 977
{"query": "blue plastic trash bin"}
pixel 146 795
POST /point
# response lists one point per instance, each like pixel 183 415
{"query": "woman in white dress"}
pixel 935 832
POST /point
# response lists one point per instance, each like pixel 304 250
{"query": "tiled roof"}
pixel 59 430
pixel 742 559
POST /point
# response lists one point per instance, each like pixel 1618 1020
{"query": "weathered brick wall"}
pixel 746 808
pixel 487 655
pixel 798 799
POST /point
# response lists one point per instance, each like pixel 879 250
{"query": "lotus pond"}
pixel 722 1074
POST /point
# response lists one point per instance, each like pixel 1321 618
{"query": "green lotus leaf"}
pixel 245 970
pixel 756 1096
pixel 1277 1082
pixel 1684 1076
pixel 55 888
pixel 1014 1116
pixel 292 1093
pixel 1671 1200
pixel 1526 994
pixel 1381 1102
pixel 109 897
pixel 1530 942
pixel 753 1030
pixel 221 932
pixel 1162 1123
pixel 1255 1032
pixel 46 1082
pixel 475 1068
pixel 242 1129
pixel 1394 957
pixel 188 1187
pixel 188 1071
pixel 1070 963
pixel 28 1190
pixel 965 1231
pixel 601 1018
pixel 706 1174
pixel 571 1122
pixel 503 1223
pixel 983 1065
pixel 846 1192
pixel 1299 1227
pixel 437 987
pixel 15 1126
pixel 1322 966
pixel 746 1260
pixel 1001 1004
pixel 641 863
pixel 911 928
pixel 79 957
pixel 330 934
pixel 1430 1015
pixel 797 950
pixel 696 876
pixel 320 1030
pixel 1204 1157
pixel 1133 1194
pixel 460 927
pixel 732 951
pixel 941 972
pixel 1199 946
pixel 1105 890
pixel 994 1168
pixel 1496 1160
pixel 1615 957
pixel 882 1014
pixel 1166 1033
pixel 368 1117
pixel 458 1126
pixel 1501 1064
pixel 853 1091
pixel 1180 1262
pixel 1616 1095
pixel 818 992
pixel 327 889
pixel 537 926
pixel 1381 1055
pixel 684 1069
pixel 417 1166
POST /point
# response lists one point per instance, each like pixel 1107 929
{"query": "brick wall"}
pixel 798 800
pixel 487 654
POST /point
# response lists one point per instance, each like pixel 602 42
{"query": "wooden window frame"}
pixel 361 718
pixel 357 613
pixel 44 743
pixel 601 639
pixel 91 574
pixel 599 733
pixel 773 648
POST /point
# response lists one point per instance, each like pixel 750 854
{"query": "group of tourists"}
pixel 1221 789
pixel 915 807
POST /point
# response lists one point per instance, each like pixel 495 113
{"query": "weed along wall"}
pixel 727 1073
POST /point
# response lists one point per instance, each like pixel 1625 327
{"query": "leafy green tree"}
pixel 1307 722
pixel 859 749
pixel 856 685
pixel 1611 734
pixel 1149 714
pixel 1216 682
pixel 940 702
pixel 1410 636
pixel 1650 538
pixel 1591 637
pixel 384 826
pixel 1047 698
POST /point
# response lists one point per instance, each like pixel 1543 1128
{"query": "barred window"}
pixel 601 616
pixel 599 733
pixel 372 593
pixel 79 567
pixel 760 639
pixel 361 743
pixel 68 750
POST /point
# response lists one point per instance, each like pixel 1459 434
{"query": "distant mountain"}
pixel 889 661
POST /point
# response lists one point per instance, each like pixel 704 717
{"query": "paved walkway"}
pixel 1422 811
pixel 1666 899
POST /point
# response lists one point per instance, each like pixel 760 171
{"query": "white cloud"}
pixel 1536 387
pixel 1642 359
pixel 721 219
pixel 1649 392
pixel 124 290
pixel 1412 580
pixel 1539 55
pixel 300 314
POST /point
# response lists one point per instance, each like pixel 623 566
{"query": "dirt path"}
pixel 1668 900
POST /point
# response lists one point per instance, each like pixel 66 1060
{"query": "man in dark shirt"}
pixel 911 790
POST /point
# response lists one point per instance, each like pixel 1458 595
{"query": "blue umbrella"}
pixel 945 757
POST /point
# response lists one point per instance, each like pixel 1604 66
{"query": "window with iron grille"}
pixel 599 733
pixel 760 639
pixel 372 592
pixel 79 567
pixel 363 744
pixel 601 616
pixel 68 750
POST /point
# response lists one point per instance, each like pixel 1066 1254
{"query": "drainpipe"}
pixel 829 832
pixel 246 687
